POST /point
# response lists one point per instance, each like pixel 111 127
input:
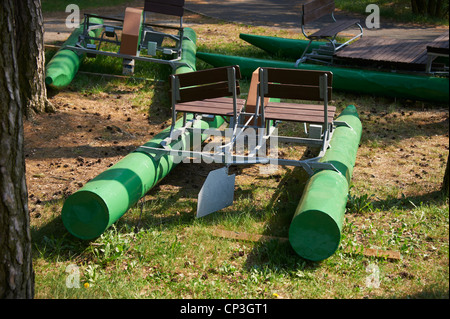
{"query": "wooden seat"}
pixel 170 7
pixel 308 113
pixel 212 91
pixel 217 106
pixel 333 29
pixel 150 35
pixel 304 85
pixel 298 85
pixel 315 9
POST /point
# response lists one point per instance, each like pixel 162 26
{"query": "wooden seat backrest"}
pixel 206 84
pixel 169 7
pixel 316 9
pixel 295 84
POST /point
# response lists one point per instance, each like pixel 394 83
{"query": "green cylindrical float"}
pixel 315 230
pixel 283 47
pixel 409 86
pixel 345 142
pixel 103 200
pixel 189 51
pixel 88 212
pixel 64 65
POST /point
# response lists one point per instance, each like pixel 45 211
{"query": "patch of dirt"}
pixel 86 135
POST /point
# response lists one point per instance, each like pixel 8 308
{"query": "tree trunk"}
pixel 432 8
pixel 421 6
pixel 445 184
pixel 29 28
pixel 16 272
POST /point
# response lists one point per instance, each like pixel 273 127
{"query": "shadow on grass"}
pixel 53 242
pixel 277 254
pixel 411 202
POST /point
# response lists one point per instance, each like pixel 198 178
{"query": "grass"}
pixel 60 5
pixel 158 249
pixel 399 10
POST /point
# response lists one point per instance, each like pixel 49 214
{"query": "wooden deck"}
pixel 400 53
pixel 439 45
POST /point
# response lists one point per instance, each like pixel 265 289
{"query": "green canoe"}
pixel 408 86
pixel 282 47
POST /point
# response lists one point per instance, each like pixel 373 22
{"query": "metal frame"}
pixel 149 31
pixel 85 39
pixel 224 153
pixel 327 128
pixel 431 56
pixel 332 42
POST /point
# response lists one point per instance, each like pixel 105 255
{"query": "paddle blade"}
pixel 217 192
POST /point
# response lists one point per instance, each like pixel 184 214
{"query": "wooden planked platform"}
pixel 397 51
pixel 439 45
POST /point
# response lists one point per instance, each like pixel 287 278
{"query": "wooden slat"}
pixel 412 51
pixel 386 50
pixel 164 8
pixel 421 59
pixel 311 113
pixel 220 102
pixel 298 92
pixel 290 111
pixel 440 44
pixel 296 118
pixel 334 28
pixel 217 106
pixel 206 76
pixel 207 91
pixel 179 3
pixel 298 77
pixel 296 89
pixel 298 106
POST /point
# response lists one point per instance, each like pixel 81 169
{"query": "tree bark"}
pixel 29 27
pixel 445 183
pixel 432 8
pixel 16 272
